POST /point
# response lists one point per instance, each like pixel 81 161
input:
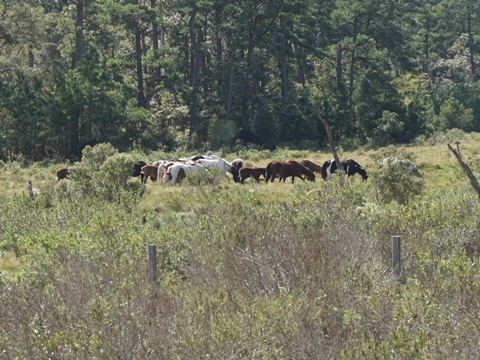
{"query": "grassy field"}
pixel 260 271
pixel 437 163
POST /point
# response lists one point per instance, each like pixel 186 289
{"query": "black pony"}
pixel 351 167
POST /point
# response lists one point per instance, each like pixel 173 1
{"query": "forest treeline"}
pixel 202 74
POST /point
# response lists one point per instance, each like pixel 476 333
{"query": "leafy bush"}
pixel 94 157
pixel 397 180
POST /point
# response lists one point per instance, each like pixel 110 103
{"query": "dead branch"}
pixel 332 146
pixel 466 170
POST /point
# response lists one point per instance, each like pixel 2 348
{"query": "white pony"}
pixel 223 166
pixel 198 157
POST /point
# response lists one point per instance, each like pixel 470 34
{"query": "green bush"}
pixel 397 180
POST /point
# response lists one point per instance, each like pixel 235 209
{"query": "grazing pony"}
pixel 198 157
pixel 149 171
pixel 289 168
pixel 312 166
pixel 253 172
pixel 162 175
pixel 137 169
pixel 237 163
pixel 407 164
pixel 351 167
pixel 178 171
pixel 223 166
pixel 61 174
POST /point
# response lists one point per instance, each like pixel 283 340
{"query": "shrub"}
pixel 397 181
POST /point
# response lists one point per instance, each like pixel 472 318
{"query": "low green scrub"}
pixel 268 271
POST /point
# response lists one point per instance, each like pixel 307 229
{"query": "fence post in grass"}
pixel 396 255
pixel 152 263
pixel 30 188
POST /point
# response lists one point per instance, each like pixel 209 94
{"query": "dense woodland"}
pixel 202 74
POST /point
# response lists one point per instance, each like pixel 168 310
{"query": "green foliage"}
pixel 398 180
pixel 389 129
pixel 258 271
pixel 94 157
pixel 207 176
pixel 454 115
pixel 220 132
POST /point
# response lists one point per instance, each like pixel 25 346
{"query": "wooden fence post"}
pixel 396 255
pixel 30 188
pixel 152 263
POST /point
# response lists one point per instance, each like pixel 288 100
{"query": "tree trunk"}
pixel 471 43
pixel 75 151
pixel 156 71
pixel 230 88
pixel 138 60
pixel 339 67
pixel 203 65
pixel 218 35
pixel 427 45
pixel 332 146
pixel 351 84
pixel 194 73
pixel 283 69
pixel 466 170
pixel 246 82
pixel 79 32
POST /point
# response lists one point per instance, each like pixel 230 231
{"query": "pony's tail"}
pixel 269 173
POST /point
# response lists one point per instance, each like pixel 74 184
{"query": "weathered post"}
pixel 396 255
pixel 152 263
pixel 30 188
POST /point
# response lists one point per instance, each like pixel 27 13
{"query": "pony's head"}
pixel 310 176
pixel 235 174
pixel 360 170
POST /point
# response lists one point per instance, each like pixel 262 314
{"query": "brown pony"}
pixel 253 172
pixel 149 171
pixel 62 174
pixel 289 168
pixel 312 166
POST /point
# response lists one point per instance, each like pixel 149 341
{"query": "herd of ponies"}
pixel 174 171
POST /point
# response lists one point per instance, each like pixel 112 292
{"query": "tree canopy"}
pixel 161 74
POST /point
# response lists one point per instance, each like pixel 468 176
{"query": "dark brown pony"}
pixel 62 174
pixel 289 168
pixel 253 172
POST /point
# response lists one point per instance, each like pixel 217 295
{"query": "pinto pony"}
pixel 351 167
pixel 289 168
pixel 237 164
pixel 178 171
pixel 253 172
pixel 223 166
